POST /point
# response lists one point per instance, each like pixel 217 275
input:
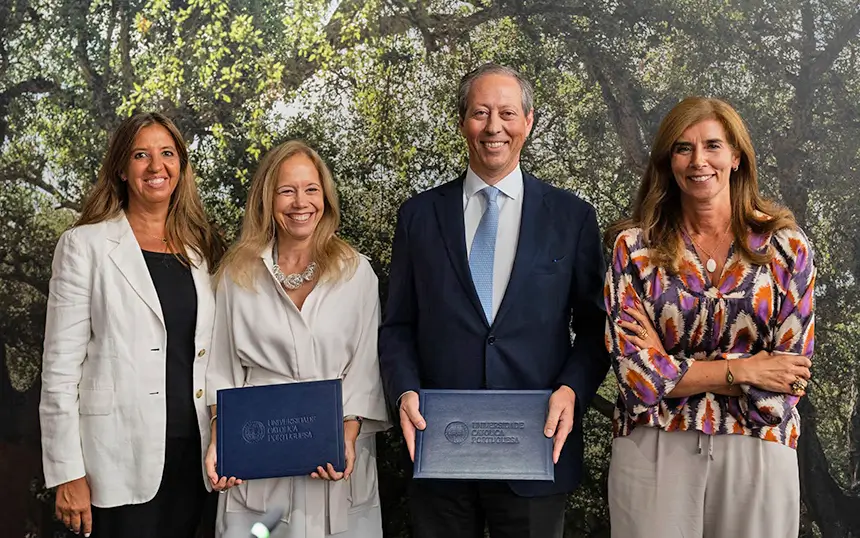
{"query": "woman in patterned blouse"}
pixel 711 327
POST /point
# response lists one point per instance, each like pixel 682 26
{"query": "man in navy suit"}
pixel 490 274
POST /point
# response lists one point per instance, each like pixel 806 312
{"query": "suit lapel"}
pixel 128 258
pixel 449 213
pixel 535 218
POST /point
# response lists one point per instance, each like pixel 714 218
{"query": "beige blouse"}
pixel 261 338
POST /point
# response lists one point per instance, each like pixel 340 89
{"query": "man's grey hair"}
pixel 492 69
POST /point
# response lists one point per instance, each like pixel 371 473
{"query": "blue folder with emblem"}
pixel 280 430
pixel 484 435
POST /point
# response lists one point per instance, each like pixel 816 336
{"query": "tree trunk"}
pixel 11 402
pixel 836 512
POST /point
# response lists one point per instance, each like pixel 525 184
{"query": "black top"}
pixel 178 297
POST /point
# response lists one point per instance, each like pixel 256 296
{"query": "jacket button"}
pixel 201 352
pixel 491 340
pixel 199 393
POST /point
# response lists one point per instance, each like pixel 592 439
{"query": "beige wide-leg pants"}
pixel 692 485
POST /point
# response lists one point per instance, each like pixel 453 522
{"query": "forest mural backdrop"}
pixel 371 84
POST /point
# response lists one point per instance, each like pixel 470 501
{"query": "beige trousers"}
pixel 692 485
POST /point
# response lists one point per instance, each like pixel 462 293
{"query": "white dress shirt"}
pixel 508 233
pixel 510 215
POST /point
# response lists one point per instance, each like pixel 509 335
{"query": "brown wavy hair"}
pixel 657 207
pixel 334 257
pixel 187 225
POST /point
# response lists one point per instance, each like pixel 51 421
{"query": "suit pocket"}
pixel 96 401
pixel 552 266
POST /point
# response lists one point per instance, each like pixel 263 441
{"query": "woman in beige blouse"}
pixel 296 303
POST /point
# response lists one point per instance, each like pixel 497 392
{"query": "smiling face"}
pixel 299 201
pixel 702 163
pixel 495 126
pixel 153 168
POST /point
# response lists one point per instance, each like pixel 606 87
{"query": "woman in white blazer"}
pixel 129 323
pixel 296 303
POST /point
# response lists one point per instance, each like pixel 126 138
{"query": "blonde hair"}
pixel 657 208
pixel 334 257
pixel 187 225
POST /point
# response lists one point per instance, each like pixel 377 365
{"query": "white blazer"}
pixel 103 406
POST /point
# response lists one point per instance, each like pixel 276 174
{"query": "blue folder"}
pixel 280 430
pixel 484 435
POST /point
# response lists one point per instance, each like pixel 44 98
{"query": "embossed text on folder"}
pixel 280 430
pixel 484 434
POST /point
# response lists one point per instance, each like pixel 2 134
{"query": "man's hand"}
pixel 559 420
pixel 410 419
pixel 73 506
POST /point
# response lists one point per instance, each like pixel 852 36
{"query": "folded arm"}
pixel 647 376
pixel 794 273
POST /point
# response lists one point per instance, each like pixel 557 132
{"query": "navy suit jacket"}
pixel 434 334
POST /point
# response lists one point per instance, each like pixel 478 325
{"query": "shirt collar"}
pixel 511 185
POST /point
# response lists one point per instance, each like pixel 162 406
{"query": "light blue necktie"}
pixel 484 251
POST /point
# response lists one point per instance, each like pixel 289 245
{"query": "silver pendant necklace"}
pixel 292 281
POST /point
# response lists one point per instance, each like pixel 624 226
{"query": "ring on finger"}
pixel 642 334
pixel 798 386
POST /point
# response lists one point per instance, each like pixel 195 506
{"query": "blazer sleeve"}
pixel 67 335
pixel 224 370
pixel 362 385
pixel 588 361
pixel 398 355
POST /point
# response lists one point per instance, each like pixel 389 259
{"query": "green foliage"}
pixel 372 85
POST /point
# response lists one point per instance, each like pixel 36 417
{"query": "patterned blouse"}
pixel 751 308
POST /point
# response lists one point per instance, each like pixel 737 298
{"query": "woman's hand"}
pixel 351 428
pixel 328 473
pixel 640 332
pixel 73 506
pixel 774 372
pixel 223 483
